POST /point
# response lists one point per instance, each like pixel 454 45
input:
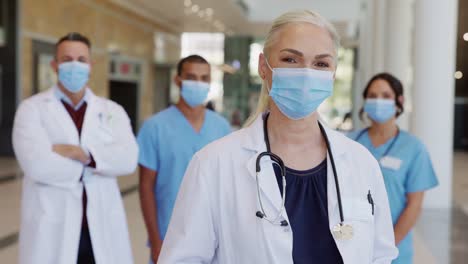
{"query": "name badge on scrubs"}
pixel 390 162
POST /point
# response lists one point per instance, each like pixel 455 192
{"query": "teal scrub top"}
pixel 406 168
pixel 167 142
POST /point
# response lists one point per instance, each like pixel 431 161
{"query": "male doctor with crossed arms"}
pixel 71 145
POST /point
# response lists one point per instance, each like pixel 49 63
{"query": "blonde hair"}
pixel 303 16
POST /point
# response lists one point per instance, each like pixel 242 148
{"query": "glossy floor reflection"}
pixel 445 235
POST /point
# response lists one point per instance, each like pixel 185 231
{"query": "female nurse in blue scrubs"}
pixel 404 160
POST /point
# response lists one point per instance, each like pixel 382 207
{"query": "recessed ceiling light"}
pixel 458 75
pixel 195 8
pixel 465 36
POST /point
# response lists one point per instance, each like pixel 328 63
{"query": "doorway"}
pixel 162 88
pixel 125 93
pixel 8 63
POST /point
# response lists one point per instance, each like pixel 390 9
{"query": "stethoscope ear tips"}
pixel 262 215
pixel 259 214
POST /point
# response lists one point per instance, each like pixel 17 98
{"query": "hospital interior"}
pixel 136 45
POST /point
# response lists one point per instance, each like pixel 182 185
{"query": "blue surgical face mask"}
pixel 298 92
pixel 380 110
pixel 194 92
pixel 73 75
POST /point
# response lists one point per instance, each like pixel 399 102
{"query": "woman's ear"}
pixel 401 99
pixel 262 66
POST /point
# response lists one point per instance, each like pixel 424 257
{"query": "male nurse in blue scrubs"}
pixel 167 142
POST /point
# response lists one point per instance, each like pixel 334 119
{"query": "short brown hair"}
pixel 191 58
pixel 74 36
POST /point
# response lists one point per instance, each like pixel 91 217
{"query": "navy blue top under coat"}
pixel 307 209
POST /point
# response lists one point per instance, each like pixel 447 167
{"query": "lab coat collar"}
pixel 61 96
pixel 54 94
pixel 57 109
pixel 254 140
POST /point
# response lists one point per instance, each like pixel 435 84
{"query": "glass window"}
pixel 255 49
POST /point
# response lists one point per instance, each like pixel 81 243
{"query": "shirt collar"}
pixel 61 96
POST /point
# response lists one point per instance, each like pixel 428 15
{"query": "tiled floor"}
pixel 8 167
pixel 460 184
pixel 440 236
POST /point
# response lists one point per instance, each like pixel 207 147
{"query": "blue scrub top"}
pixel 412 172
pixel 307 207
pixel 167 143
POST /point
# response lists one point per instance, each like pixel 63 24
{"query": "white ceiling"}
pixel 173 14
pixel 334 10
pixel 229 17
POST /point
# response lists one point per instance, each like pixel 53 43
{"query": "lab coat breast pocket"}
pixel 358 210
pixel 359 214
pixel 104 134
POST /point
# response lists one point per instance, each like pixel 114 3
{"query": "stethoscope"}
pixel 341 230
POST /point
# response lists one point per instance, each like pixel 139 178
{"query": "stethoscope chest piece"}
pixel 343 231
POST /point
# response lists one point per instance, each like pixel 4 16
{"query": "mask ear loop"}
pixel 271 69
pixel 268 64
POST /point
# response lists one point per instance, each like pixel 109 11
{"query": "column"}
pixel 397 57
pixel 379 31
pixel 433 95
pixel 370 54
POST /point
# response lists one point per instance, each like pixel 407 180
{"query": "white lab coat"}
pixel 51 208
pixel 214 217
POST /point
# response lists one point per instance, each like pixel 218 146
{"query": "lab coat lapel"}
pixel 56 109
pixel 255 143
pixel 90 115
pixel 338 149
pixel 333 213
pixel 267 181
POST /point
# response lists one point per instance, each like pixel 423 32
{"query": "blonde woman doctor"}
pixel 285 189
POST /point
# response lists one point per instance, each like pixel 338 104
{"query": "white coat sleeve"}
pixel 119 156
pixel 191 237
pixel 384 241
pixel 33 150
